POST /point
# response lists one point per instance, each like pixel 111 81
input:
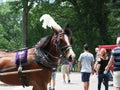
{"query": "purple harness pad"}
pixel 21 56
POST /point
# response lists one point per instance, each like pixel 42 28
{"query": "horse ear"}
pixel 55 30
pixel 67 30
pixel 67 26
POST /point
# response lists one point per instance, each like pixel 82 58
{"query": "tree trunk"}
pixel 26 9
pixel 24 22
pixel 24 27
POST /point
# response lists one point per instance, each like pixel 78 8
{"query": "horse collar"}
pixel 42 58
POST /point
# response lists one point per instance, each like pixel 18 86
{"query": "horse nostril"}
pixel 70 58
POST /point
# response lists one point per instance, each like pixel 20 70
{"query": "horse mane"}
pixel 43 42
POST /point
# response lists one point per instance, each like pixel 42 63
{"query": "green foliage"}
pixel 92 22
pixel 3 41
pixel 114 18
pixel 10 23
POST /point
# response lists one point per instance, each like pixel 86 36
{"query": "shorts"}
pixel 116 78
pixel 53 75
pixel 85 77
pixel 65 68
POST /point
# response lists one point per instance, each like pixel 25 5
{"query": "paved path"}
pixel 75 84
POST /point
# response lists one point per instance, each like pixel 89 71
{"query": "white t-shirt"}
pixel 86 59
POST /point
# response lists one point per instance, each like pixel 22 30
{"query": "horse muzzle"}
pixel 71 58
pixel 69 53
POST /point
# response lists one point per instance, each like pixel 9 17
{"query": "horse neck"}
pixel 53 51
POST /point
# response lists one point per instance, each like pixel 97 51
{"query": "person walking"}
pixel 65 69
pixel 73 66
pixel 102 63
pixel 97 53
pixel 86 62
pixel 115 59
pixel 53 79
pixel 96 58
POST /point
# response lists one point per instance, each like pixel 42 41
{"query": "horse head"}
pixel 61 39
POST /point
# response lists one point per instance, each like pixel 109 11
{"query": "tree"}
pixel 90 21
pixel 25 5
pixel 10 25
pixel 114 18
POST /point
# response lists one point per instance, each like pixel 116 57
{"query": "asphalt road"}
pixel 75 84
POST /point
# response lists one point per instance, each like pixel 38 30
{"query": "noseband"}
pixel 64 49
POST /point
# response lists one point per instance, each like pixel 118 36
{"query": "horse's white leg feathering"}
pixel 48 21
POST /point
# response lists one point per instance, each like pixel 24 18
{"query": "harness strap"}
pixel 23 79
pixel 43 59
pixel 21 57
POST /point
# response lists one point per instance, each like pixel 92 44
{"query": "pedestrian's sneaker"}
pixel 64 81
pixel 68 81
pixel 50 88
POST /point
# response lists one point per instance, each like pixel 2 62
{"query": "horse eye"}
pixel 60 36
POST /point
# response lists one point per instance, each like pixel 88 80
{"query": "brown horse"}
pixel 44 55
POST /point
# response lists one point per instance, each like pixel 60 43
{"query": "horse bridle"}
pixel 45 57
pixel 62 49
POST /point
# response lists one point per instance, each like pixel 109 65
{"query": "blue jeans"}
pixel 103 78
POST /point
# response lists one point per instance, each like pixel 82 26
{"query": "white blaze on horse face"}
pixel 70 52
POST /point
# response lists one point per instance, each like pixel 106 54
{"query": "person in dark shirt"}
pixel 102 63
